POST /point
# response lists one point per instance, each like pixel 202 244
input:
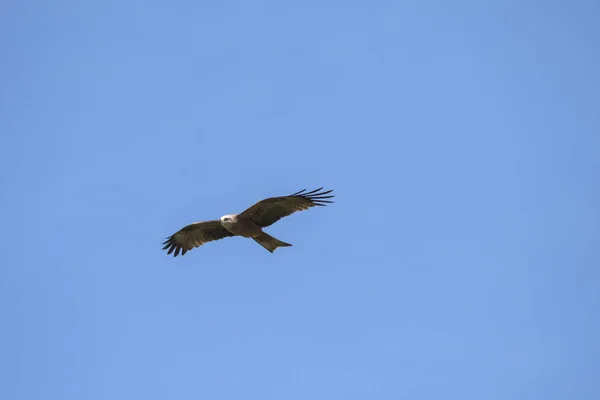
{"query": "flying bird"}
pixel 248 223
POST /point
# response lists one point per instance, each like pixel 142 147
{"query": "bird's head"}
pixel 228 219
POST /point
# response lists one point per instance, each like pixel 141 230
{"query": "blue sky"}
pixel 460 260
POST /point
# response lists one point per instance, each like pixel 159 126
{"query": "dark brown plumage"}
pixel 248 224
pixel 195 235
pixel 268 211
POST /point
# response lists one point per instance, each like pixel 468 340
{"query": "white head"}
pixel 228 219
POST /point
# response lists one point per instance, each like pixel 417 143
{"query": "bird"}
pixel 248 224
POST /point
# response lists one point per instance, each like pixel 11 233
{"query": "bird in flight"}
pixel 248 223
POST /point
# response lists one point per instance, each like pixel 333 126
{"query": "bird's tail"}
pixel 269 242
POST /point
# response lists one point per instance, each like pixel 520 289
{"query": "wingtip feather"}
pixel 316 196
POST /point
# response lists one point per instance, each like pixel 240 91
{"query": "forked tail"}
pixel 269 242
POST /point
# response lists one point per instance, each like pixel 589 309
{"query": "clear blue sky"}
pixel 460 261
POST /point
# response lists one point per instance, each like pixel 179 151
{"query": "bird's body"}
pixel 240 226
pixel 248 224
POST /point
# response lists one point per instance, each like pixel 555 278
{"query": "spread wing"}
pixel 195 235
pixel 268 211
